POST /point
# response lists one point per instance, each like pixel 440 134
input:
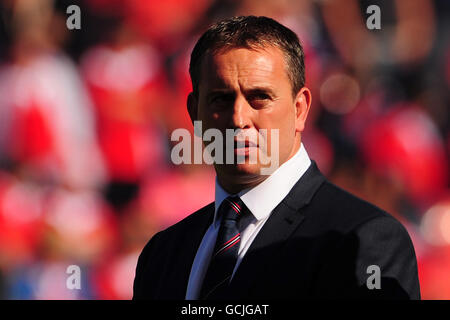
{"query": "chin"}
pixel 242 171
pixel 237 177
pixel 248 169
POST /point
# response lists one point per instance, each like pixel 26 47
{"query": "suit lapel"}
pixel 179 276
pixel 285 218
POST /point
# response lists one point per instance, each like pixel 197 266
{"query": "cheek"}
pixel 286 138
pixel 209 118
pixel 285 123
pixel 282 118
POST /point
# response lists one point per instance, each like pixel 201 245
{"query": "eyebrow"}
pixel 214 92
pixel 258 90
pixel 253 90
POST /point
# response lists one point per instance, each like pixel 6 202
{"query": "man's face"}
pixel 250 90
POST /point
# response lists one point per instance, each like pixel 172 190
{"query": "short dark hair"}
pixel 250 32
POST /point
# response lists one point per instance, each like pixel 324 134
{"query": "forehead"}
pixel 242 66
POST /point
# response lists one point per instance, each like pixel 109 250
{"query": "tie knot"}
pixel 232 208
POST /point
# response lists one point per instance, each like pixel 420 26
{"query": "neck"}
pixel 234 184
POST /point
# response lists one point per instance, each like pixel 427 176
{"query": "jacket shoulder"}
pixel 364 235
pixel 186 224
pixel 193 219
pixel 183 226
pixel 343 211
pixel 160 249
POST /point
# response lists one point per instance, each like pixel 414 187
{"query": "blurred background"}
pixel 86 117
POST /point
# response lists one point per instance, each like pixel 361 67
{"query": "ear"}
pixel 302 104
pixel 192 107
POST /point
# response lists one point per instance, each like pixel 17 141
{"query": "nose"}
pixel 241 114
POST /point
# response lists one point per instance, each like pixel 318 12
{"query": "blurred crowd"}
pixel 86 118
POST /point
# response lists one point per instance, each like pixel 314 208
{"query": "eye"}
pixel 221 98
pixel 259 96
pixel 259 100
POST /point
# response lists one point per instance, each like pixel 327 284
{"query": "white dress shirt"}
pixel 260 200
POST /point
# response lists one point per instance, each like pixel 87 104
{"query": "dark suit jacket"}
pixel 317 243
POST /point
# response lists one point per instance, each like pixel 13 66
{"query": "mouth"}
pixel 243 148
pixel 244 144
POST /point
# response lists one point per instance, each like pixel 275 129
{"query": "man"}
pixel 287 235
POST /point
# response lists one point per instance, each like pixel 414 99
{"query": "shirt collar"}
pixel 264 197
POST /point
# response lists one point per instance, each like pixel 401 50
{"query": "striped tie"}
pixel 226 249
